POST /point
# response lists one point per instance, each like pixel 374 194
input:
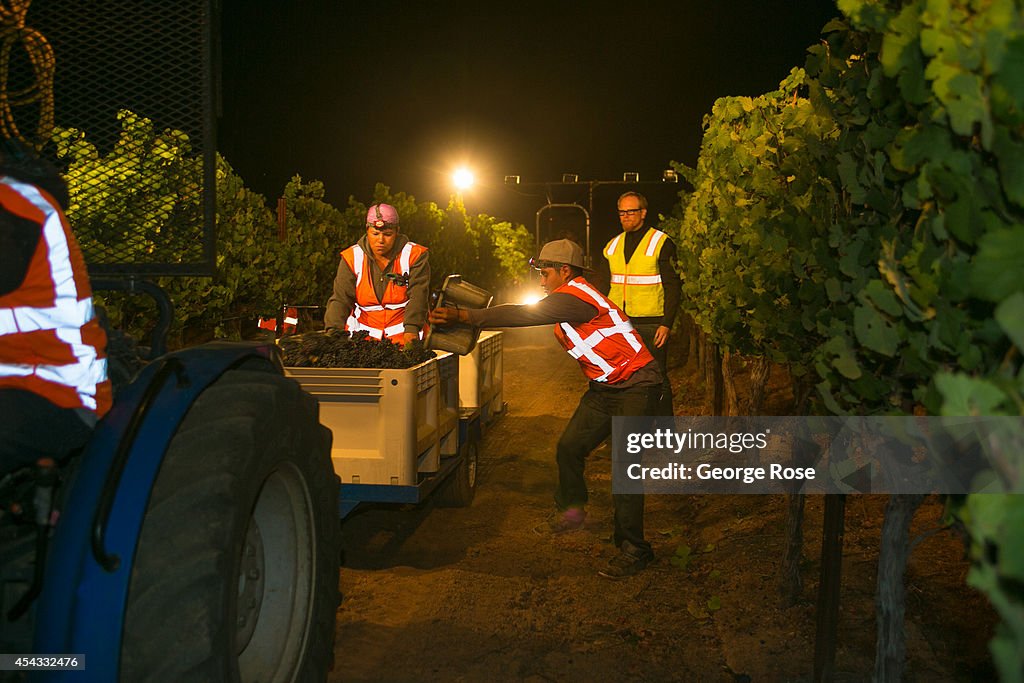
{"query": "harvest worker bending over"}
pixel 382 282
pixel 624 380
pixel 53 369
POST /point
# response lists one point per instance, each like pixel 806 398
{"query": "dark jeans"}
pixel 31 428
pixel 589 426
pixel 646 332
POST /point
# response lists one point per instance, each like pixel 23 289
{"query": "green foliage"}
pixel 940 205
pixel 315 235
pixel 512 246
pixel 248 255
pixel 753 236
pixel 930 99
pixel 868 219
pixel 135 201
pixel 138 203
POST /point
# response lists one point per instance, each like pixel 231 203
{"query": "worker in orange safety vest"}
pixel 53 367
pixel 382 284
pixel 624 381
pixel 288 323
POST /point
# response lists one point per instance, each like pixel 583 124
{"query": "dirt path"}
pixel 475 594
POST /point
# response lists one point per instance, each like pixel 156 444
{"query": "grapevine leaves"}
pixel 1010 316
pixel 998 266
pixel 907 164
pixel 968 396
pixel 752 234
pixel 260 265
pixel 873 331
pixel 944 97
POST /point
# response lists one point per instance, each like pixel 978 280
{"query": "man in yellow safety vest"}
pixel 644 282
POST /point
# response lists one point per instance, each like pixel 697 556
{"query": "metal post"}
pixel 590 212
pixel 541 210
pixel 282 219
pixel 828 589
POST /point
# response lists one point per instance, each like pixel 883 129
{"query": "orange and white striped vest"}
pixel 382 319
pixel 636 285
pixel 50 341
pixel 607 347
pixel 288 323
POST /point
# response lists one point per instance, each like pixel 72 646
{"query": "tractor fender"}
pixel 82 606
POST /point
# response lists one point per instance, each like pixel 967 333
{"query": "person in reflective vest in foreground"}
pixel 53 367
pixel 624 381
pixel 383 282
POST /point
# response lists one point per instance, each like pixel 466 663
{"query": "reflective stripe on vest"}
pixel 50 342
pixel 353 325
pixel 358 259
pixel 403 259
pixel 652 248
pixel 636 286
pixel 636 279
pixel 607 347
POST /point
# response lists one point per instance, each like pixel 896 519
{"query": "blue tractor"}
pixel 197 535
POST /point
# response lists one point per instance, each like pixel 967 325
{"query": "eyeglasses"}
pixel 629 212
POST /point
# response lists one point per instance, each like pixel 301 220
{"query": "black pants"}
pixel 646 332
pixel 31 428
pixel 589 426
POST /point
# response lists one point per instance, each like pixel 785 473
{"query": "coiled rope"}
pixel 15 35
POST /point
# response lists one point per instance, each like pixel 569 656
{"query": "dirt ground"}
pixel 475 594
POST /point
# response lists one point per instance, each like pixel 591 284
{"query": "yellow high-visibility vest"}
pixel 636 286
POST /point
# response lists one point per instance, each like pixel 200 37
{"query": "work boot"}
pixel 567 520
pixel 628 562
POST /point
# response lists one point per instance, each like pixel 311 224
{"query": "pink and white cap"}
pixel 381 215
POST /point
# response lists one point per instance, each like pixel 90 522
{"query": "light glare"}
pixel 463 178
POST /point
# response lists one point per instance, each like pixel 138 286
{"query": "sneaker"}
pixel 628 562
pixel 569 520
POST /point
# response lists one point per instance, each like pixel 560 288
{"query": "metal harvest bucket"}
pixel 458 338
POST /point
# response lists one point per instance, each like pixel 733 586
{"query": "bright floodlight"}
pixel 463 178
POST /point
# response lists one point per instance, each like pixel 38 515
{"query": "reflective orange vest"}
pixel 50 341
pixel 382 319
pixel 291 319
pixel 636 284
pixel 607 347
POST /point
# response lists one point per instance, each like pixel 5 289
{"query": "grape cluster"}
pixel 340 349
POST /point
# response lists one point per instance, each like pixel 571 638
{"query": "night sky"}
pixel 402 92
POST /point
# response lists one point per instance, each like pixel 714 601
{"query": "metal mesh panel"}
pixel 133 93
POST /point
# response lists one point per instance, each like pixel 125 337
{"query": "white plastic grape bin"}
pixel 480 376
pixel 389 426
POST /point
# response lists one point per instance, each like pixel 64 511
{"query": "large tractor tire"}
pixel 236 573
